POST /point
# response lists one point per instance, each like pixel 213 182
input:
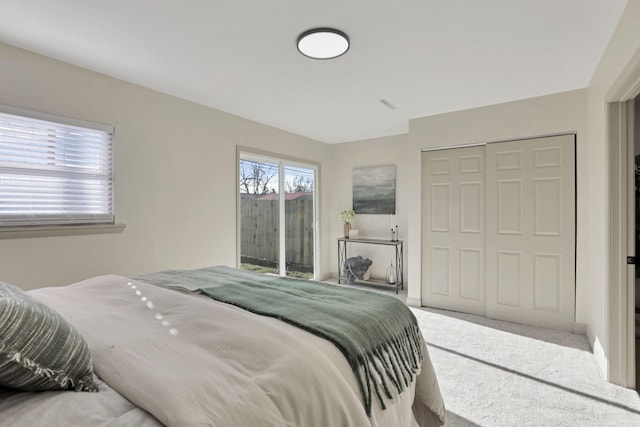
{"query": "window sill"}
pixel 60 230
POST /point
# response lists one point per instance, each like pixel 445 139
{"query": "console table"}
pixel 342 256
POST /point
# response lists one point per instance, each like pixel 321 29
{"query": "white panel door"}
pixel 453 229
pixel 530 231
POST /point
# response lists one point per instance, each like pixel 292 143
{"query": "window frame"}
pixel 65 227
pixel 243 152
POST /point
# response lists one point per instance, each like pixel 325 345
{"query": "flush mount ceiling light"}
pixel 323 43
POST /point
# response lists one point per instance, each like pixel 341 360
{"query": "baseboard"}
pixel 580 328
pixel 414 302
pixel 590 338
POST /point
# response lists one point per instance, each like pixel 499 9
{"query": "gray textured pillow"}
pixel 39 350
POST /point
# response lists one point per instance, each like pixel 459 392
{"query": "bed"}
pixel 180 348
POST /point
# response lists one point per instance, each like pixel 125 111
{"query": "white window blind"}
pixel 54 173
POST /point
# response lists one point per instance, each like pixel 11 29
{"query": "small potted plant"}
pixel 346 217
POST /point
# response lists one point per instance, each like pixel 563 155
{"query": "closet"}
pixel 499 230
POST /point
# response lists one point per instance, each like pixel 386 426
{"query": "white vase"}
pixel 391 274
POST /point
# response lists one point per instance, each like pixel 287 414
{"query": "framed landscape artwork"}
pixel 374 190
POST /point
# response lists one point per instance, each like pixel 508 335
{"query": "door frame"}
pixel 620 304
pixel 621 295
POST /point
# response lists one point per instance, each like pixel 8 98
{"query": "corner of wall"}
pixel 580 328
pixel 598 352
pixel 414 302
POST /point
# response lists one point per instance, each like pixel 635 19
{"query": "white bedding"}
pixel 64 409
pixel 191 361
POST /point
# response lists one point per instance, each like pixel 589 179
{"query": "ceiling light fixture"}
pixel 323 43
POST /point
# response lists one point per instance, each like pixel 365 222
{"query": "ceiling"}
pixel 423 57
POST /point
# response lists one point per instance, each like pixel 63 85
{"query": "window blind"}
pixel 54 173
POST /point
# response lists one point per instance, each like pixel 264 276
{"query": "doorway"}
pixel 636 230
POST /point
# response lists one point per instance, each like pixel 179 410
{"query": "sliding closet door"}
pixel 530 271
pixel 453 229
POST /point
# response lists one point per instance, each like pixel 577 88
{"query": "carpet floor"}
pixel 495 373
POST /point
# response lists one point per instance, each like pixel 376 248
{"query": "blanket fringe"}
pixel 390 367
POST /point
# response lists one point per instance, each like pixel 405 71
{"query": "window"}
pixel 54 171
pixel 277 215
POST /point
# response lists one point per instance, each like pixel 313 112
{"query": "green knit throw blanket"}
pixel 377 334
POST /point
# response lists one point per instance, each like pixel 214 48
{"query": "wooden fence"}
pixel 259 232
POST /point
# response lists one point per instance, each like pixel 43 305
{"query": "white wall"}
pixel 366 153
pixel 563 112
pixel 175 170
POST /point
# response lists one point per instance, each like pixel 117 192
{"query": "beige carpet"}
pixel 495 373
